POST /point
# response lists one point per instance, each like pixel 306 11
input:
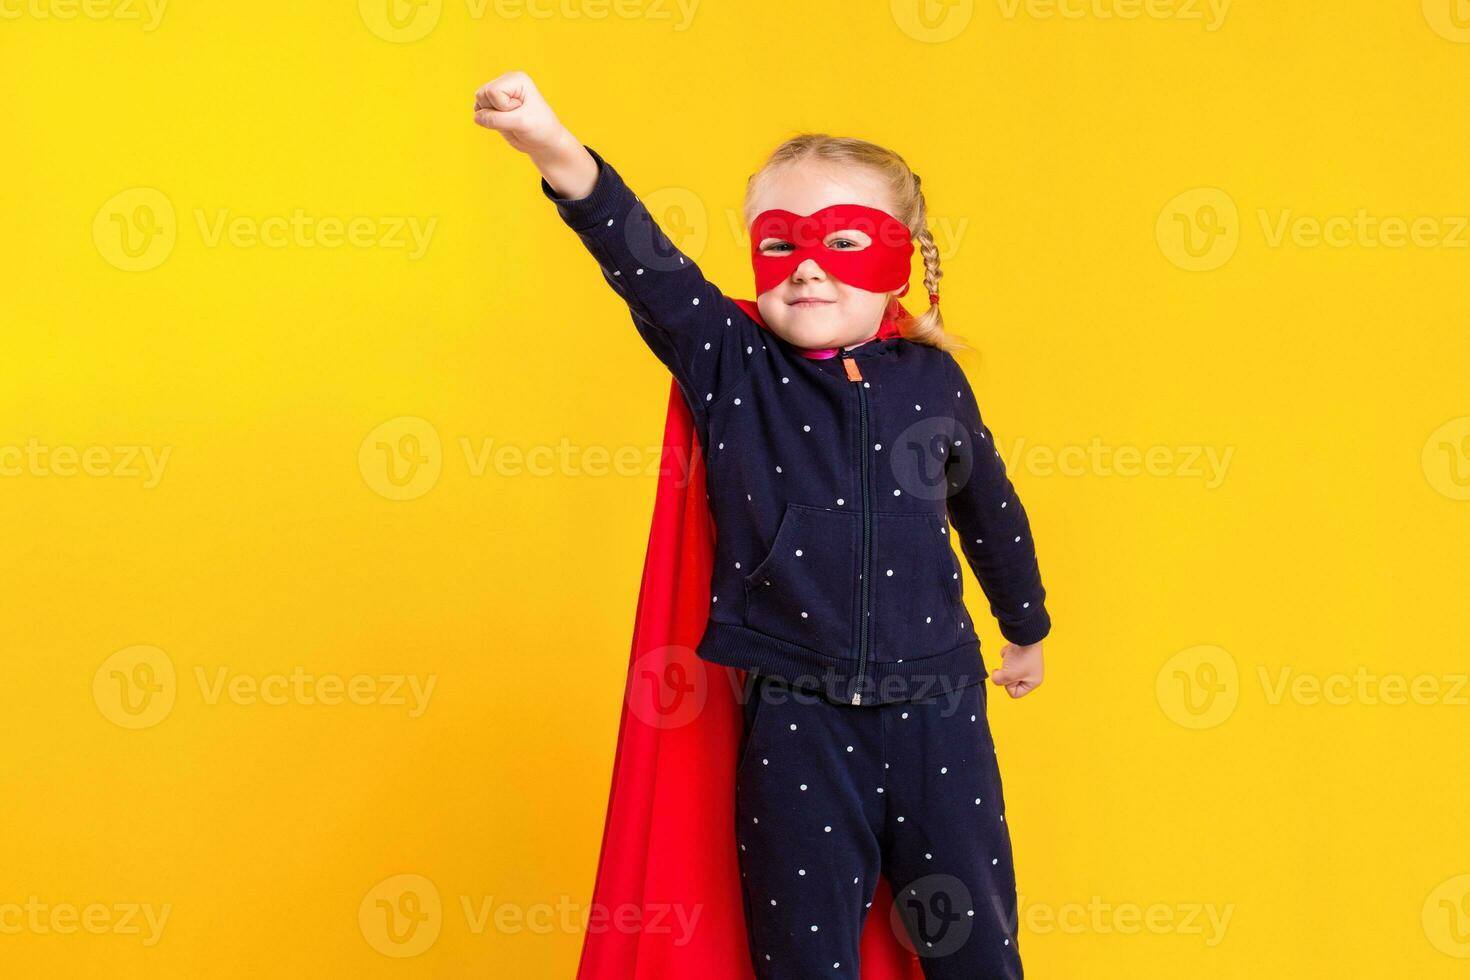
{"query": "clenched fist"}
pixel 513 107
pixel 1021 669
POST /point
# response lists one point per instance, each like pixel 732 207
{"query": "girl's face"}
pixel 810 308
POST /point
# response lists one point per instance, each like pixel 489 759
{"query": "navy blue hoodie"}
pixel 834 484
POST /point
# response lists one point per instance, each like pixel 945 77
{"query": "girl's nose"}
pixel 808 269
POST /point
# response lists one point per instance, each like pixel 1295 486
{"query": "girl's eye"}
pixel 836 244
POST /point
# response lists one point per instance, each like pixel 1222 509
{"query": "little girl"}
pixel 842 442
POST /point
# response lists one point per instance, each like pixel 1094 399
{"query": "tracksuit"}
pixel 836 486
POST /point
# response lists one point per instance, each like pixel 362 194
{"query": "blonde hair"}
pixel 902 184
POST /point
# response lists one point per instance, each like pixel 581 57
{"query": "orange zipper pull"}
pixel 853 374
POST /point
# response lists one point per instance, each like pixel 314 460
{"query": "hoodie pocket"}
pixel 804 590
pixel 915 587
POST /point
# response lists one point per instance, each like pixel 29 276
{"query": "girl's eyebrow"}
pixel 835 231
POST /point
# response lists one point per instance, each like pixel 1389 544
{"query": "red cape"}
pixel 667 903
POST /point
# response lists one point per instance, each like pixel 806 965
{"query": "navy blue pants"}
pixel 829 796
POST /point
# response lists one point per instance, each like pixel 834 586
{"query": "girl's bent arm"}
pixel 995 534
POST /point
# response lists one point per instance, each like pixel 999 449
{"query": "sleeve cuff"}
pixel 584 212
pixel 1029 631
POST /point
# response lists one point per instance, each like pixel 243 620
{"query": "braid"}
pixel 928 326
pixel 930 251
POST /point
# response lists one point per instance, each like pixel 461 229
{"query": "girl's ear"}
pixel 902 292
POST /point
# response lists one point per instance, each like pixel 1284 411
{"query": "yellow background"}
pixel 1161 765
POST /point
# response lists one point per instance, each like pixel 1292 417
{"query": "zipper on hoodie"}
pixel 855 375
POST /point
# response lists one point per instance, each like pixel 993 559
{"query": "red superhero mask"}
pixel 877 267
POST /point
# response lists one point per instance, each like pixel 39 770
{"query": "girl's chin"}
pixel 808 336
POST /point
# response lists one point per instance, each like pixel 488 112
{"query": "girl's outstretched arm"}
pixel 703 337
